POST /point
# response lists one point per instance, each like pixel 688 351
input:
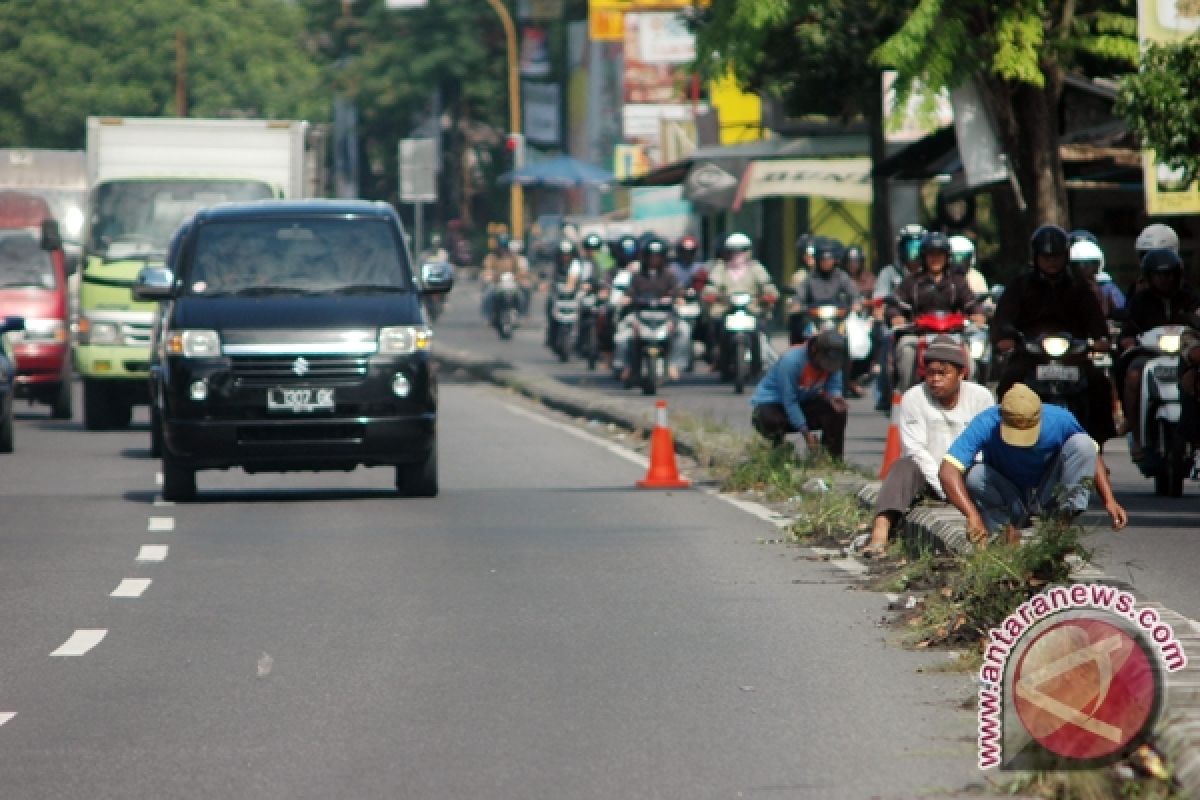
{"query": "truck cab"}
pixel 33 285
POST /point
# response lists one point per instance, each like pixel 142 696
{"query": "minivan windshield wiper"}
pixel 262 291
pixel 368 288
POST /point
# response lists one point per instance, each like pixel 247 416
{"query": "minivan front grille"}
pixel 260 372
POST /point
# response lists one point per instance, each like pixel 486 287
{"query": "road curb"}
pixel 940 527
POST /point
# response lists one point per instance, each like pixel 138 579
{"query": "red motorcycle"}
pixel 926 327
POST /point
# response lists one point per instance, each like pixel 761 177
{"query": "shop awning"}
pixel 847 179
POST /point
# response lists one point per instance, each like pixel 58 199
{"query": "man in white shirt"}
pixel 932 414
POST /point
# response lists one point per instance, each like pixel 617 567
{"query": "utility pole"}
pixel 181 108
pixel 516 192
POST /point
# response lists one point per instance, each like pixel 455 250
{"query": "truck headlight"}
pixel 404 339
pixel 44 330
pixel 98 332
pixel 193 344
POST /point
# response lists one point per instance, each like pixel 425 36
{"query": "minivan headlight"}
pixel 91 332
pixel 193 344
pixel 404 339
pixel 44 330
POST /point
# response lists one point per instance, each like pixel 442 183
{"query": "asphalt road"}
pixel 540 630
pixel 1157 553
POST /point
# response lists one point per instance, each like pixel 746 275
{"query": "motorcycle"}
pixel 653 324
pixel 564 314
pixel 1058 376
pixel 588 334
pixel 928 326
pixel 690 312
pixel 1168 457
pixel 506 305
pixel 741 351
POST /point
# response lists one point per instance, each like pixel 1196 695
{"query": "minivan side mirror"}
pixel 154 283
pixel 10 324
pixel 51 238
pixel 437 277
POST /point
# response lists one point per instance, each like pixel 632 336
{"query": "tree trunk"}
pixel 881 211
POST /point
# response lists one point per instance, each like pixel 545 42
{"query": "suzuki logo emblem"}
pixel 300 367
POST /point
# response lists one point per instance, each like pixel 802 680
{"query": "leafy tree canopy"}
pixel 61 60
pixel 1162 106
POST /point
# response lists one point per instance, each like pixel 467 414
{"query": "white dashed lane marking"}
pixel 152 552
pixel 81 641
pixel 5 716
pixel 160 524
pixel 131 587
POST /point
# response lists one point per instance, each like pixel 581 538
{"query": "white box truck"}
pixel 146 176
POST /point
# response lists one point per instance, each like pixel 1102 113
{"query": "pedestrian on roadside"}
pixel 932 415
pixel 802 393
pixel 1037 459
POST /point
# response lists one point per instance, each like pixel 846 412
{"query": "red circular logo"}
pixel 1084 688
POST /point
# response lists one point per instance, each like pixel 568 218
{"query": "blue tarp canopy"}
pixel 560 172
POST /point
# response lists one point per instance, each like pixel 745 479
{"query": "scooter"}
pixel 588 335
pixel 564 314
pixel 1169 456
pixel 926 327
pixel 1058 376
pixel 506 305
pixel 690 312
pixel 653 324
pixel 741 353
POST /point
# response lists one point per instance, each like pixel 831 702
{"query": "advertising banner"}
pixel 540 103
pixel 535 52
pixel 1166 22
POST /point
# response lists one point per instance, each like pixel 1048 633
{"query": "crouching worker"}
pixel 1036 459
pixel 802 393
pixel 932 414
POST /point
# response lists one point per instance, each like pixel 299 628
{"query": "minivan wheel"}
pixel 105 407
pixel 156 436
pixel 179 481
pixel 418 480
pixel 6 427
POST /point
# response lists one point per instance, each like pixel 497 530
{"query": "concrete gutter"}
pixel 939 527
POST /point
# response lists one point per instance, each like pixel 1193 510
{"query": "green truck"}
pixel 146 176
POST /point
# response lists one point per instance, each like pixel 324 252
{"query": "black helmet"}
pixel 935 240
pixel 803 243
pixel 687 244
pixel 908 244
pixel 853 254
pixel 653 246
pixel 1050 240
pixel 828 350
pixel 1161 260
pixel 624 250
pixel 826 247
pixel 592 242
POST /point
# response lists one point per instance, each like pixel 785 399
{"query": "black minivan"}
pixel 292 336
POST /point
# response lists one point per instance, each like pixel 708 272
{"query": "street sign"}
pixel 418 171
pixel 403 5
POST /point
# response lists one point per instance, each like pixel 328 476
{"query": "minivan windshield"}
pixel 23 262
pixel 264 256
pixel 135 219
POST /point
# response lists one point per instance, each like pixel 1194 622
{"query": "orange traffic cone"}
pixel 663 473
pixel 891 448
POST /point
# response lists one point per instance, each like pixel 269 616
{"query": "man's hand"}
pixel 1117 514
pixel 898 321
pixel 814 444
pixel 1005 345
pixel 977 533
pixel 838 404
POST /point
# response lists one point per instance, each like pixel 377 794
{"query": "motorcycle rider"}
pixel 828 284
pixel 738 272
pixel 908 250
pixel 690 272
pixel 623 250
pixel 566 262
pixel 653 282
pixel 854 262
pixel 500 261
pixel 1167 300
pixel 933 288
pixel 1087 261
pixel 1152 237
pixel 589 258
pixel 962 261
pixel 1047 298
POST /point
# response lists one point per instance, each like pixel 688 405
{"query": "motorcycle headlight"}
pixel 827 312
pixel 1168 342
pixel 193 343
pixel 976 349
pixel 44 330
pixel 1056 346
pixel 404 340
pixel 98 332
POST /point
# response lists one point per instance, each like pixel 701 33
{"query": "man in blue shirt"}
pixel 1035 460
pixel 802 393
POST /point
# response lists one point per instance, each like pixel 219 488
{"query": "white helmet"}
pixel 738 241
pixel 1155 236
pixel 962 251
pixel 1084 251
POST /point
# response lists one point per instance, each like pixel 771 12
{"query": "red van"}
pixel 33 285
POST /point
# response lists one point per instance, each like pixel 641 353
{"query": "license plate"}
pixel 300 401
pixel 1167 374
pixel 1057 372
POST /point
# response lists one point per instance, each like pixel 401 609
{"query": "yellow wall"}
pixel 826 222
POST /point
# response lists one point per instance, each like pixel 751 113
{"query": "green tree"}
pixel 61 60
pixel 1162 106
pixel 815 58
pixel 1019 53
